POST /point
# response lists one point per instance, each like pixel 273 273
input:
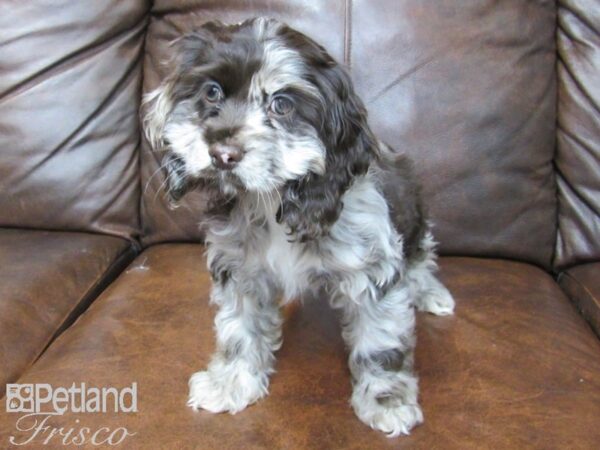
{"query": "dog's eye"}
pixel 281 105
pixel 213 93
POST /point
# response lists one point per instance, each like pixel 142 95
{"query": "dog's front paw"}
pixel 227 390
pixel 393 420
pixel 437 300
pixel 388 404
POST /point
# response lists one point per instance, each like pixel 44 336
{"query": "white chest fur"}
pixel 291 263
pixel 362 245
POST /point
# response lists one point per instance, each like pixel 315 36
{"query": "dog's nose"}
pixel 225 156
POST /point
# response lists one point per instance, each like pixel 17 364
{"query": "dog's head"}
pixel 261 107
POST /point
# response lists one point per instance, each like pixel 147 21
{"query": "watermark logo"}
pixel 40 402
pixel 19 398
pixel 38 398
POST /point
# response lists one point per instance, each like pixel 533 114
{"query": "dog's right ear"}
pixel 189 53
pixel 158 104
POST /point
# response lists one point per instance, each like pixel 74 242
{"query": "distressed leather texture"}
pixel 515 368
pixel 70 78
pixel 582 284
pixel 498 103
pixel 578 131
pixel 469 91
pixel 46 277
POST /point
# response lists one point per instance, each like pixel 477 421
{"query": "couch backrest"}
pixel 467 88
pixel 70 82
pixel 578 150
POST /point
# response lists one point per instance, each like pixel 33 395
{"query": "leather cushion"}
pixel 69 96
pixel 468 91
pixel 46 279
pixel 582 285
pixel 517 367
pixel 578 145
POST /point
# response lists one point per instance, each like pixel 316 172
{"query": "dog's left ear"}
pixel 312 204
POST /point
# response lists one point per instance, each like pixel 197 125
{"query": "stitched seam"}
pixel 557 255
pixel 348 34
pixel 140 143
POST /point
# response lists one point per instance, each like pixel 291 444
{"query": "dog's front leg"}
pixel 248 332
pixel 379 331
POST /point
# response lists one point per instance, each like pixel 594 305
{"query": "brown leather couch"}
pixel 102 283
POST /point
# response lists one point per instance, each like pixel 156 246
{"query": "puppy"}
pixel 303 197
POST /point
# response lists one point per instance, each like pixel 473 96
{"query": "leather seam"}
pixel 66 62
pixel 581 285
pixel 140 143
pixel 134 243
pixel 112 96
pixel 90 295
pixel 348 34
pixel 556 195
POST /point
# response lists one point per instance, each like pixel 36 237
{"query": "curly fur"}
pixel 308 199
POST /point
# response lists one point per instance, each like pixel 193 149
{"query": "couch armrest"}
pixel 582 285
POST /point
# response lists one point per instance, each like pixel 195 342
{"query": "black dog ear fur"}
pixel 312 204
pixel 177 182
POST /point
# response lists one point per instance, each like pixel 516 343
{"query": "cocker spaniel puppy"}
pixel 304 197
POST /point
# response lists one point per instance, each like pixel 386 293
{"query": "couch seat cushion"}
pixel 46 278
pixel 582 285
pixel 516 367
